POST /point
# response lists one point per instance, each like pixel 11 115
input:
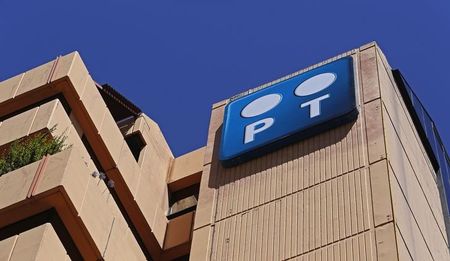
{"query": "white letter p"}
pixel 251 130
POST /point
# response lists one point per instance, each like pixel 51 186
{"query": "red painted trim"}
pixel 52 71
pixel 37 176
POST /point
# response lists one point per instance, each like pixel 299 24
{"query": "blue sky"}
pixel 174 58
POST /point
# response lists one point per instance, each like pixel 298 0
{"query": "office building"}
pixel 338 161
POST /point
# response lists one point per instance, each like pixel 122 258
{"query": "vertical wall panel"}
pixel 271 177
pixel 307 214
pixel 417 209
pixel 369 74
pixel 415 153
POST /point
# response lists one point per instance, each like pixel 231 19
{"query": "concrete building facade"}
pixel 372 189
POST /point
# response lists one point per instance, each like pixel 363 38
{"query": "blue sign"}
pixel 287 111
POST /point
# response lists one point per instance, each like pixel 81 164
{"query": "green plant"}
pixel 30 149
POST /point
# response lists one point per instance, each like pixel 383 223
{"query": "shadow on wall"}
pixel 221 176
pixel 47 217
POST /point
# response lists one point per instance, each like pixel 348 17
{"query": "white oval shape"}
pixel 261 105
pixel 315 84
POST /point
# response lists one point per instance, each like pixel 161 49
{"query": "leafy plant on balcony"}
pixel 30 149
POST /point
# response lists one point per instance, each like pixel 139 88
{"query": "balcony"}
pixel 84 203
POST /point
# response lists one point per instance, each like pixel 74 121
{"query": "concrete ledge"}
pixel 186 170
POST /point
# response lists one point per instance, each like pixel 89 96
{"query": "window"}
pixel 183 201
pixel 136 143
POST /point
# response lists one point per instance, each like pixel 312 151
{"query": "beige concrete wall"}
pixel 336 195
pixel 72 169
pixel 154 163
pixel 94 204
pixel 136 182
pixel 39 243
pixel 14 185
pixel 419 218
pixel 187 165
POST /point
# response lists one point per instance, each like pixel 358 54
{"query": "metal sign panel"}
pixel 294 109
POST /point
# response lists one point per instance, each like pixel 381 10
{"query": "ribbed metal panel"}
pixel 289 170
pixel 295 200
pixel 298 223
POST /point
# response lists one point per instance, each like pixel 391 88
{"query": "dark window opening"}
pixel 183 201
pixel 136 143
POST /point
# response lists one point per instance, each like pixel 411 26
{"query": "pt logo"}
pixel 288 111
pixel 265 103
